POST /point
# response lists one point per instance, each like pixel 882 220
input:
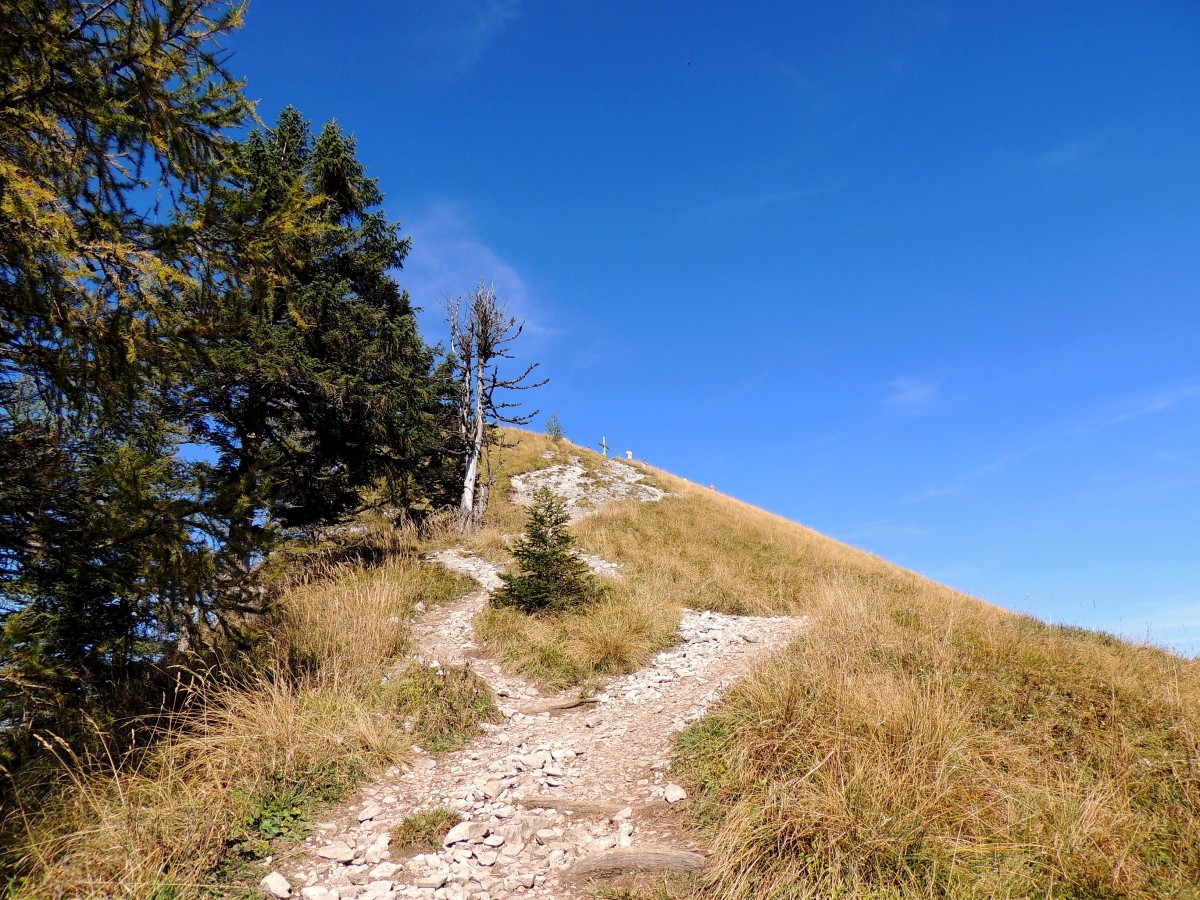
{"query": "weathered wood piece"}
pixel 569 807
pixel 636 859
pixel 558 706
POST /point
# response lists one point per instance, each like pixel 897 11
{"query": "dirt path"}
pixel 543 790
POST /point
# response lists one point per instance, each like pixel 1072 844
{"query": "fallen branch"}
pixel 634 859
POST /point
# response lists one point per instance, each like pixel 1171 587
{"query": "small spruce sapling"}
pixel 550 576
pixel 554 429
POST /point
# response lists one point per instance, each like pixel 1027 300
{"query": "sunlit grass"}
pixel 254 757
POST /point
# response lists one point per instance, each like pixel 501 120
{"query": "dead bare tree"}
pixel 482 332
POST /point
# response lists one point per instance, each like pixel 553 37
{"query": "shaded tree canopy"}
pixel 112 117
pixel 314 386
pixel 202 347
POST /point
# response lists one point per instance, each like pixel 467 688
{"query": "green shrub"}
pixel 550 576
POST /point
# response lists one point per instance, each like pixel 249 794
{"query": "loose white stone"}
pixel 385 870
pixel 370 811
pixel 674 793
pixel 338 851
pixel 465 831
pixel 378 849
pixel 276 885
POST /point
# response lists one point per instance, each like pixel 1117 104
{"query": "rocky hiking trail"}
pixel 558 792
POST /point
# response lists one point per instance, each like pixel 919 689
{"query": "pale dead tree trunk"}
pixel 481 334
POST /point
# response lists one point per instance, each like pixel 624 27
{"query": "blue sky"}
pixel 922 276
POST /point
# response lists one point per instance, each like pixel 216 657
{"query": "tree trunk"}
pixel 466 507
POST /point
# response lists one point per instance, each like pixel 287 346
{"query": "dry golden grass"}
pixel 249 761
pixel 634 620
pixel 914 742
pixel 704 550
pixel 923 744
pixel 613 636
pixel 441 708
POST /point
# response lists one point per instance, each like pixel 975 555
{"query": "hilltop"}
pixel 752 710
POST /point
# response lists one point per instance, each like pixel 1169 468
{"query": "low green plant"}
pixel 424 831
pixel 550 576
pixel 443 707
pixel 277 812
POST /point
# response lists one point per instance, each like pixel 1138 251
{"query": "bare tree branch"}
pixel 482 333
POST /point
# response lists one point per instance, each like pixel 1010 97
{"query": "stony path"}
pixel 544 789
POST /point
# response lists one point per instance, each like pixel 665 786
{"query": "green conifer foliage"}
pixel 550 576
pixel 112 119
pixel 315 385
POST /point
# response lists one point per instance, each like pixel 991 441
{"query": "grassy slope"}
pixel 916 741
pixel 633 622
pixel 913 742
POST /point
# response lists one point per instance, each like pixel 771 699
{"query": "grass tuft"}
pixel 613 636
pixel 423 832
pixel 442 708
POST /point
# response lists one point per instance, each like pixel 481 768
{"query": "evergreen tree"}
pixel 111 117
pixel 550 576
pixel 315 385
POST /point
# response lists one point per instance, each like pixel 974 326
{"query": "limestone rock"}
pixel 637 860
pixel 276 885
pixel 465 832
pixel 370 811
pixel 674 793
pixel 338 851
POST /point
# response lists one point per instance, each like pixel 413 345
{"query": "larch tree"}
pixel 112 116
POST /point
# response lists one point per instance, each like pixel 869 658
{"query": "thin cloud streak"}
pixel 1129 410
pixel 1168 621
pixel 911 395
pixel 449 259
pixel 453 39
pixel 749 202
pixel 1076 155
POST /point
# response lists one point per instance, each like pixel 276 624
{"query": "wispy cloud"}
pixel 448 38
pixel 1167 621
pixel 449 258
pixel 1077 154
pixel 749 202
pixel 1145 405
pixel 1110 416
pixel 911 395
